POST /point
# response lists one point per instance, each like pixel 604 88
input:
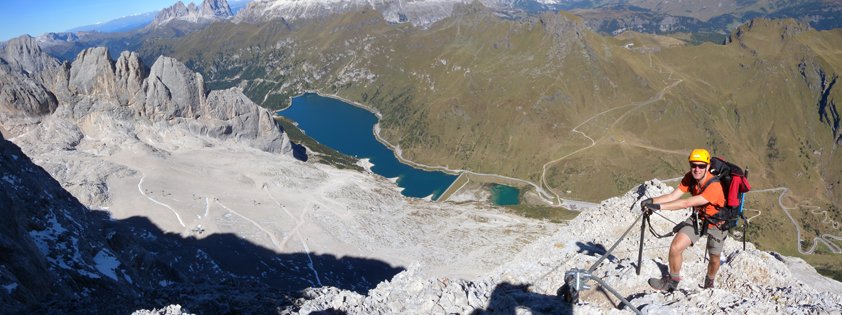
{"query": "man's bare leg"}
pixel 679 244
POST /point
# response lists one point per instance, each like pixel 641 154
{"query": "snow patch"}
pixel 106 264
pixel 51 233
pixel 128 279
pixel 12 181
pixel 10 287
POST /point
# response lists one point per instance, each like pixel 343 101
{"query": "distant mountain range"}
pixel 605 16
pixel 140 20
pixel 122 24
pixel 662 17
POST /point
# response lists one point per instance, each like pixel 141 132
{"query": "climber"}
pixel 707 196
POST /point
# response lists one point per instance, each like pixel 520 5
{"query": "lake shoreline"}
pixel 370 132
pixel 396 151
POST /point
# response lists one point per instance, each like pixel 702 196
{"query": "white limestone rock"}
pixel 749 281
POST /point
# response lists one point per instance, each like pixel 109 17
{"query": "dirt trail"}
pixel 140 189
pixel 652 100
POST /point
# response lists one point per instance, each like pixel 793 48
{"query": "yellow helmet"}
pixel 700 155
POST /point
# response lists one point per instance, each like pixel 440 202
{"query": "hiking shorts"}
pixel 716 237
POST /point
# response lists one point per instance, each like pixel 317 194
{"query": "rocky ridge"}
pixel 749 281
pixel 167 92
pixel 208 11
pixel 421 13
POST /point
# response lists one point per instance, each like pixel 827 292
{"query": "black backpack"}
pixel 734 181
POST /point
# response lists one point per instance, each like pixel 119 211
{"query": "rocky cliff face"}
pixel 28 78
pixel 208 11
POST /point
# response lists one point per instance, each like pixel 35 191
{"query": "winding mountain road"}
pixel 826 239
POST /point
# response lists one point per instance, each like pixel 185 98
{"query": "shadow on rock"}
pixel 665 270
pixel 187 266
pixel 593 249
pixel 507 298
pixel 63 258
pixel 299 152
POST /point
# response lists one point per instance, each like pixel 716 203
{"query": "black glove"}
pixel 645 203
pixel 648 205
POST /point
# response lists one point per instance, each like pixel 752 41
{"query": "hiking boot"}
pixel 665 283
pixel 708 283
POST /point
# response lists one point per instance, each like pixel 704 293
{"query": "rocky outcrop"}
pixel 169 310
pixel 208 11
pixel 785 28
pixel 229 114
pixel 217 8
pixel 173 90
pixel 29 82
pixel 129 72
pixel 22 96
pixel 35 85
pixel 62 105
pixel 23 54
pixel 92 73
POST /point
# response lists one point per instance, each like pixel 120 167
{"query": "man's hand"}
pixel 645 202
pixel 648 206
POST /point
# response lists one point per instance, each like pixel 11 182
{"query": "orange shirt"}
pixel 713 193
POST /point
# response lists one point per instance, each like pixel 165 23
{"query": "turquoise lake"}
pixel 503 195
pixel 350 130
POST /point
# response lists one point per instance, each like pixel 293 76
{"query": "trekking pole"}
pixel 745 222
pixel 640 250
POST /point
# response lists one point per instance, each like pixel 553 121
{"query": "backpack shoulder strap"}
pixel 715 178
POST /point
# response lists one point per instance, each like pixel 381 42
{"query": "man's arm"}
pixel 674 195
pixel 683 203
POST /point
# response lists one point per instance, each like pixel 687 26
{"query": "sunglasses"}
pixel 699 166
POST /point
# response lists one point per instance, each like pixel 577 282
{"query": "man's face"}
pixel 698 170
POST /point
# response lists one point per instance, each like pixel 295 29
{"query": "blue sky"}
pixel 35 17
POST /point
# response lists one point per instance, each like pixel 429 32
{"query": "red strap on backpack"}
pixel 739 184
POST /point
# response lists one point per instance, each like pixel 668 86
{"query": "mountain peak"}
pixel 420 13
pixel 785 28
pixel 209 11
pixel 24 53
